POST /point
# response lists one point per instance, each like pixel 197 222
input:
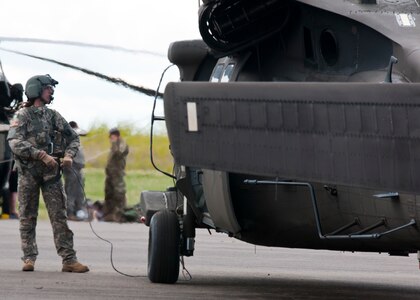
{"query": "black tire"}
pixel 164 243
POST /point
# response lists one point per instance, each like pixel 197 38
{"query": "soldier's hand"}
pixel 48 160
pixel 67 162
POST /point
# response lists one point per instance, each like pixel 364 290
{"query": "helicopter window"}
pixel 329 47
pixel 227 74
pixel 217 73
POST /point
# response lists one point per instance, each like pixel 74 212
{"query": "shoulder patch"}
pixel 14 122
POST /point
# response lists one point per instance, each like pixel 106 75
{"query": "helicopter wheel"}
pixel 164 243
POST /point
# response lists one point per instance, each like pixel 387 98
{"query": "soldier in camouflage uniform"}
pixel 39 137
pixel 74 181
pixel 115 199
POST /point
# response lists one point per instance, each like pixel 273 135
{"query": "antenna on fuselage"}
pixel 393 60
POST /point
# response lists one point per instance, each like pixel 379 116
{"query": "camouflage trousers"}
pixel 73 185
pixel 55 201
pixel 115 199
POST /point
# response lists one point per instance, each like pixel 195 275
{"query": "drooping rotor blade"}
pixel 79 44
pixel 119 81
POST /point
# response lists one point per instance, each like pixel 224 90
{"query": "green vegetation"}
pixel 136 181
pixel 140 173
pixel 96 146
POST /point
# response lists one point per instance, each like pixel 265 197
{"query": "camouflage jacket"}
pixel 33 129
pixel 117 159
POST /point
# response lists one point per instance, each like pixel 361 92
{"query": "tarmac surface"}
pixel 221 268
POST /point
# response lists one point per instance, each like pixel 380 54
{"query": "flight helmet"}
pixel 36 84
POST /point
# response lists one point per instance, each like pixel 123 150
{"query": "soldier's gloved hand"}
pixel 48 160
pixel 67 162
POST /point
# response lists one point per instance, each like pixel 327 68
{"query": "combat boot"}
pixel 28 265
pixel 74 267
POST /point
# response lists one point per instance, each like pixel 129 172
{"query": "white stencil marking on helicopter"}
pixel 405 20
pixel 192 116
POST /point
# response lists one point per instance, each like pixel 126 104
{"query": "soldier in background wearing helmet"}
pixel 39 138
pixel 115 199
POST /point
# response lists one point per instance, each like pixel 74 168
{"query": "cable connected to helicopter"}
pixel 149 92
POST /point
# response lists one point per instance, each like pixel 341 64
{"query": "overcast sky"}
pixel 149 26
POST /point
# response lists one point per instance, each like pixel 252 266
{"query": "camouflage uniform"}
pixel 74 183
pixel 32 130
pixel 115 200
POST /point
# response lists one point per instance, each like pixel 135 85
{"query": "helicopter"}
pixel 10 98
pixel 295 124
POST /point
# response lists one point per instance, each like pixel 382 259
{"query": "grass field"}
pixel 140 173
pixel 96 147
pixel 136 181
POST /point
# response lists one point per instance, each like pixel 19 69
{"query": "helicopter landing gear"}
pixel 164 244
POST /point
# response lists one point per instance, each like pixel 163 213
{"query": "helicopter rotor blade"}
pixel 118 81
pixel 79 44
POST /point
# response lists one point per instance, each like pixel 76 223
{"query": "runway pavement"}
pixel 221 268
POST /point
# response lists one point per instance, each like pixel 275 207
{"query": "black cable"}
pixel 157 94
pixel 111 252
pixel 96 234
pixel 185 272
pixel 152 123
pixel 187 275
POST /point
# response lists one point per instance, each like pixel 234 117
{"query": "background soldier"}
pixel 74 182
pixel 115 199
pixel 39 137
